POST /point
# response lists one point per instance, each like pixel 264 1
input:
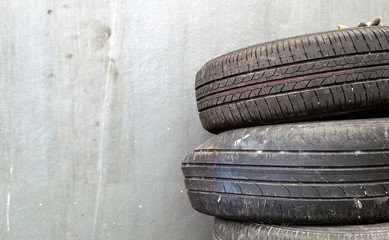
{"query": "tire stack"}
pixel 270 174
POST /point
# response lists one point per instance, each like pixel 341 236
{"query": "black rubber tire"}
pixel 232 230
pixel 304 77
pixel 334 172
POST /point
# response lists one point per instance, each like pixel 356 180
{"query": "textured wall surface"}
pixel 97 107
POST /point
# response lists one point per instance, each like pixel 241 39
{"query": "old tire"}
pixel 334 172
pixel 232 230
pixel 305 77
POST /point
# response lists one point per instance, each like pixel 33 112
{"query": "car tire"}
pixel 232 230
pixel 313 76
pixel 334 172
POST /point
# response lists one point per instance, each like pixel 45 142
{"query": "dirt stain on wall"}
pixel 98 34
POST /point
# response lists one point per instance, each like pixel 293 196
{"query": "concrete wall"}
pixel 97 107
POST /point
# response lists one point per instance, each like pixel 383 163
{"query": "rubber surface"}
pixel 232 230
pixel 304 77
pixel 334 172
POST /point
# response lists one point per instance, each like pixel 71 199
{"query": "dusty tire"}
pixel 334 172
pixel 304 77
pixel 232 230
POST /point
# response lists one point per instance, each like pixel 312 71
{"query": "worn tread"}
pixel 225 229
pixel 334 172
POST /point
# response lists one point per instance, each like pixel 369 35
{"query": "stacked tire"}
pixel 269 172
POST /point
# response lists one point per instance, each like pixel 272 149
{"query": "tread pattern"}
pixel 293 71
pixel 295 49
pixel 327 173
pixel 295 78
pixel 231 230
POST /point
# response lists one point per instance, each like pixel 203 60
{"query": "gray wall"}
pixel 97 107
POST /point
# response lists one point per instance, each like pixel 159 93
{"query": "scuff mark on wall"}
pixel 9 196
pixel 102 33
pixel 8 205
